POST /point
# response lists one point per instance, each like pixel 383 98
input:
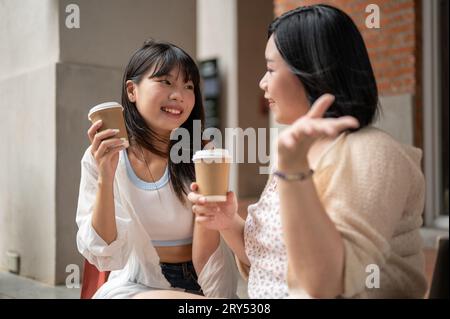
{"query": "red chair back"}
pixel 92 280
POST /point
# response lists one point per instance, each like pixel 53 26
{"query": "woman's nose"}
pixel 263 83
pixel 176 95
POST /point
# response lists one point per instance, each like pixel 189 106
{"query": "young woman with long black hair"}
pixel 133 215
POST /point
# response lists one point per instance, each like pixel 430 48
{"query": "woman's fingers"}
pixel 313 125
pixel 93 130
pixel 346 122
pixel 308 128
pixel 204 219
pixel 207 210
pixel 107 145
pixel 320 128
pixel 114 150
pixel 332 127
pixel 231 197
pixel 320 106
pixel 202 207
pixel 99 137
pixel 194 186
pixel 317 128
pixel 195 197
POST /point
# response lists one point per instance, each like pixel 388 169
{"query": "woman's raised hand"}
pixel 295 141
pixel 213 215
pixel 105 150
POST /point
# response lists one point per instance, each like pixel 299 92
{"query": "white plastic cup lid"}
pixel 216 153
pixel 103 106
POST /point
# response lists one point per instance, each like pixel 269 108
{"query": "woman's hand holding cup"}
pixel 105 150
pixel 213 215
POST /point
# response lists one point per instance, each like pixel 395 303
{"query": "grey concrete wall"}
pixel 79 87
pixel 397 117
pixel 110 30
pixel 252 38
pixel 29 35
pixel 89 72
pixel 28 53
pixel 240 52
pixel 218 17
pixel 51 76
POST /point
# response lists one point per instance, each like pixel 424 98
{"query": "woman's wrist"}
pixel 294 177
pixel 105 182
pixel 205 233
pixel 293 167
pixel 234 224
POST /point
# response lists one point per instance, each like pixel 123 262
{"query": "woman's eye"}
pixel 189 87
pixel 165 82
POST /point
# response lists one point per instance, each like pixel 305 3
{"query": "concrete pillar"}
pixel 53 76
pixel 29 52
pixel 235 32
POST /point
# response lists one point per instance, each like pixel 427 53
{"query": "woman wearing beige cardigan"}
pixel 341 212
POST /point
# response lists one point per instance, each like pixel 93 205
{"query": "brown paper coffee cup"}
pixel 111 114
pixel 212 170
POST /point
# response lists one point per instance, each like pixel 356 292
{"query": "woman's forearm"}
pixel 234 237
pixel 205 243
pixel 314 246
pixel 103 216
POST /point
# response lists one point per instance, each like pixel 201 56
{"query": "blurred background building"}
pixel 52 74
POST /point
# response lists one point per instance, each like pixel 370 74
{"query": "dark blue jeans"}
pixel 182 275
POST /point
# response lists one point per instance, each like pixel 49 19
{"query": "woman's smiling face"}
pixel 165 101
pixel 282 88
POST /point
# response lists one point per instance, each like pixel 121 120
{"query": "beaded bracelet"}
pixel 294 177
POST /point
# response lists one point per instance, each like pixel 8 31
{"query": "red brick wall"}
pixel 392 47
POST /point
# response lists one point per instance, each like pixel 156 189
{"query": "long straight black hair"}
pixel 162 57
pixel 324 48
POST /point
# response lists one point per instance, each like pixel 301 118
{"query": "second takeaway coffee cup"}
pixel 111 114
pixel 212 169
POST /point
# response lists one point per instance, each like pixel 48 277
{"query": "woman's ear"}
pixel 131 88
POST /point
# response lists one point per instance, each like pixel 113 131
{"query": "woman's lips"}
pixel 171 112
pixel 176 110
